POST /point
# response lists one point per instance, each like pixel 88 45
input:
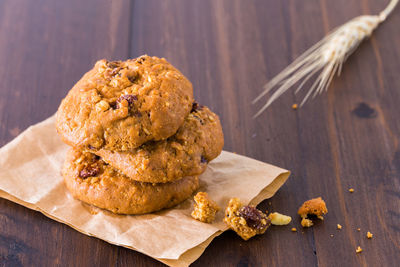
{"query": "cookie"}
pixel 120 105
pixel 93 181
pixel 198 141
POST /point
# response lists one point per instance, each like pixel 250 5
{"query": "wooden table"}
pixel 346 138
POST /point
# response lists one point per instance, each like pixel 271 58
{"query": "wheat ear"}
pixel 326 58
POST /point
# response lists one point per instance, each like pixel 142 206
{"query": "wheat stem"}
pixel 389 9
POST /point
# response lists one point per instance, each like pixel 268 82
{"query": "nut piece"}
pixel 246 221
pixel 279 219
pixel 102 105
pixel 204 208
pixel 314 207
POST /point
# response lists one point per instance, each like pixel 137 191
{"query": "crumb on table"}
pixel 369 235
pixel 359 249
pixel 295 106
pixel 314 207
pixel 246 221
pixel 351 190
pixel 306 222
pixel 358 229
pixel 339 227
pixel 294 229
pixel 204 208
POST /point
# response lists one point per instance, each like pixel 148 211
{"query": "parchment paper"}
pixel 30 176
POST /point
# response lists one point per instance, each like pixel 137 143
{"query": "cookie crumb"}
pixel 306 222
pixel 293 229
pixel 331 235
pixel 279 219
pixel 351 190
pixel 369 235
pixel 295 106
pixel 358 229
pixel 246 221
pixel 359 249
pixel 313 207
pixel 339 227
pixel 204 208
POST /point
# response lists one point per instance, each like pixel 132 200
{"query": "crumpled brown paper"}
pixel 30 176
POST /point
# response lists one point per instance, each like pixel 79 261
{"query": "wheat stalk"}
pixel 326 58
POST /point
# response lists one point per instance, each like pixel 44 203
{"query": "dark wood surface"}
pixel 348 137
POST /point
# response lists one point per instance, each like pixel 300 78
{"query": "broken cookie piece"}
pixel 313 207
pixel 246 221
pixel 204 208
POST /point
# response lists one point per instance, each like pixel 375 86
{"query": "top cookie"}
pixel 198 141
pixel 120 105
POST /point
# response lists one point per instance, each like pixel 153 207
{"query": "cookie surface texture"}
pixel 198 141
pixel 92 181
pixel 120 105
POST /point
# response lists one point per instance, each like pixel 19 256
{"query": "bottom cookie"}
pixel 93 181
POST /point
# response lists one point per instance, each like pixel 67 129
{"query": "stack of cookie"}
pixel 139 141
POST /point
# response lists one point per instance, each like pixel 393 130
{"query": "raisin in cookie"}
pixel 198 141
pixel 120 105
pixel 91 180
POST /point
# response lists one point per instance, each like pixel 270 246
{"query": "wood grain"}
pixel 348 137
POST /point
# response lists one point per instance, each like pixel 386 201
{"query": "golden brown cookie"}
pixel 93 181
pixel 120 105
pixel 198 141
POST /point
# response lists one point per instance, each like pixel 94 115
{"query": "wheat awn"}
pixel 326 57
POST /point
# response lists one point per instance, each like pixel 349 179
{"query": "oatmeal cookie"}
pixel 93 181
pixel 120 105
pixel 198 141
